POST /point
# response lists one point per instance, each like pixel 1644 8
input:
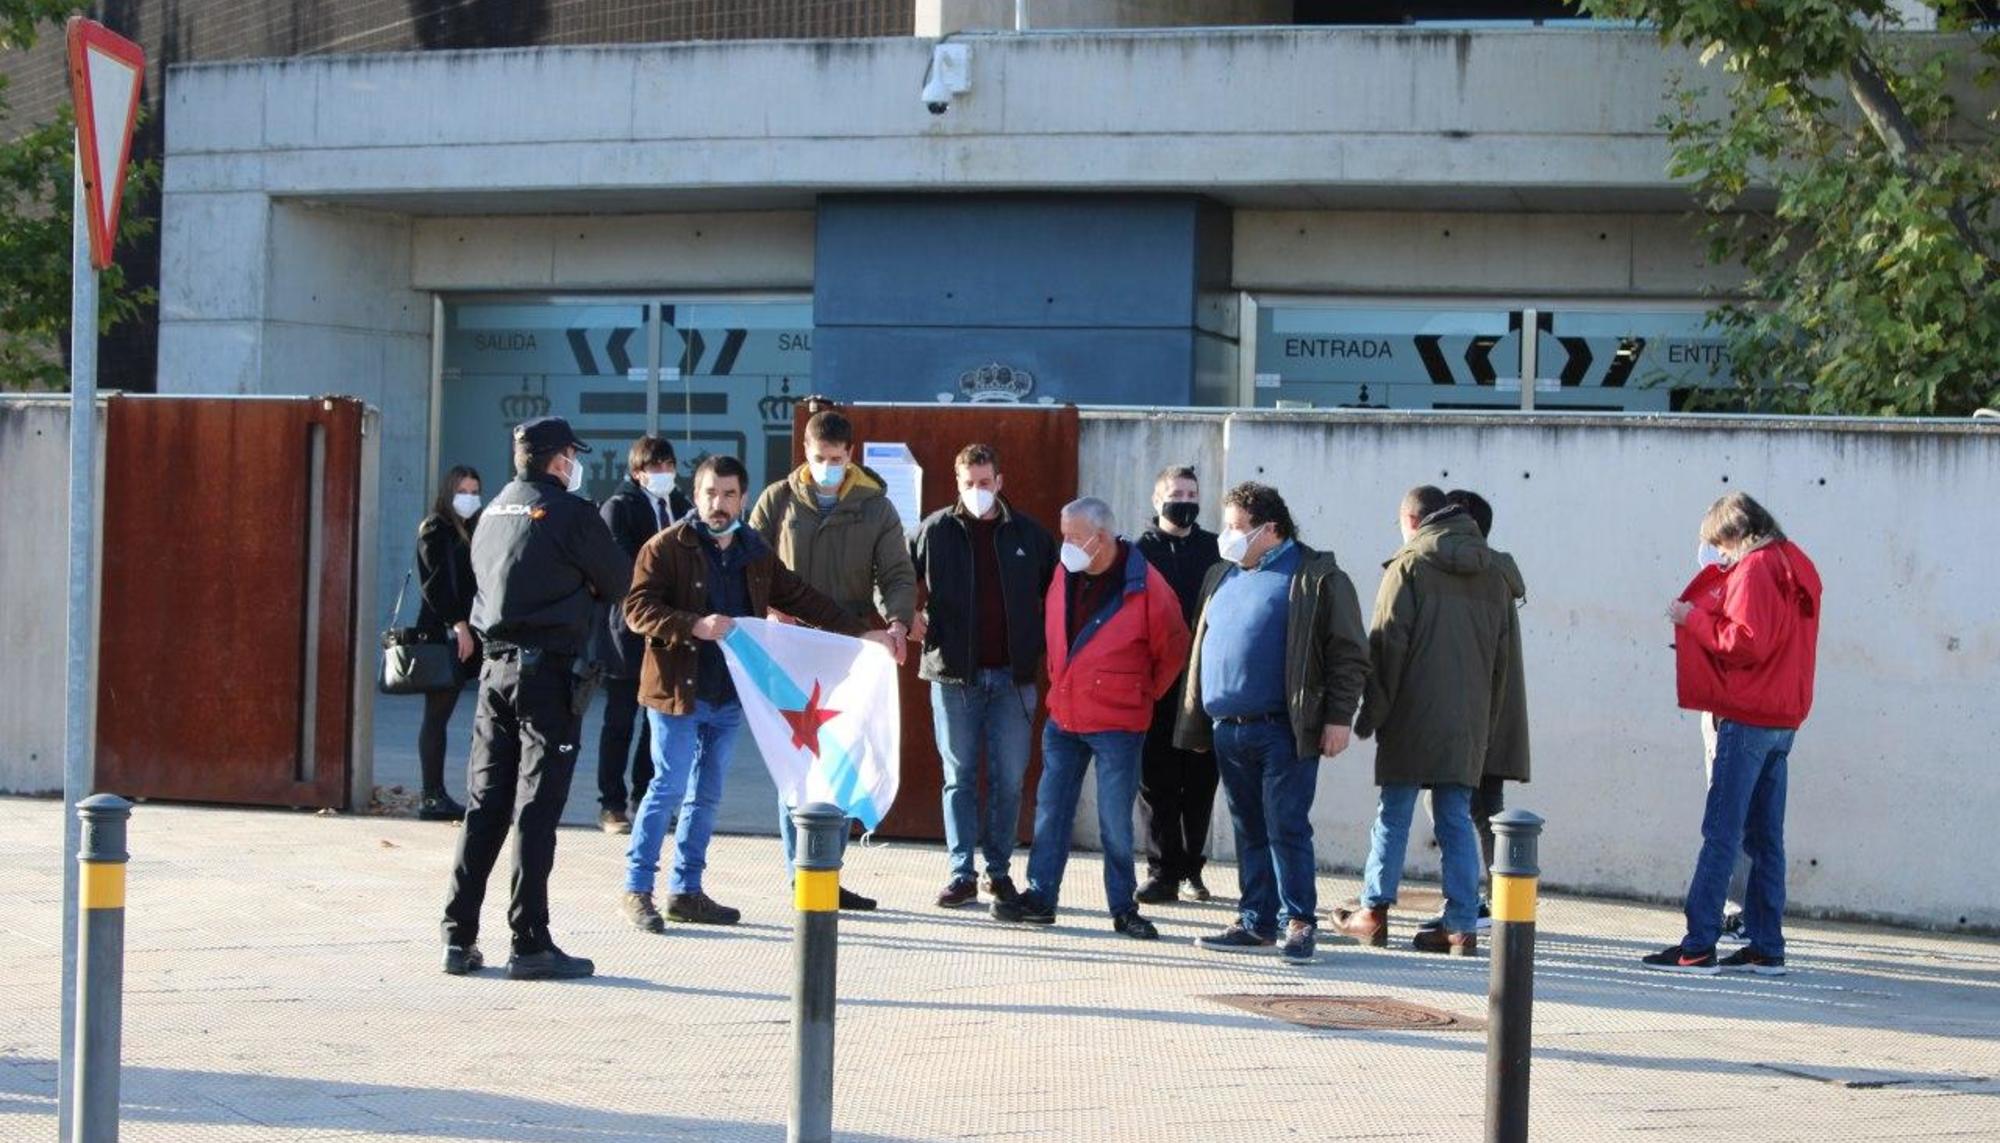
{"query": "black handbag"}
pixel 415 661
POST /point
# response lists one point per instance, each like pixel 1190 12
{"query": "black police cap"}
pixel 547 434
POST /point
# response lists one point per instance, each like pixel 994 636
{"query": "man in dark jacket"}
pixel 1176 787
pixel 985 568
pixel 643 506
pixel 832 523
pixel 1278 666
pixel 1439 646
pixel 543 562
pixel 691 584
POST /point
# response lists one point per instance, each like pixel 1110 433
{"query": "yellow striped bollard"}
pixel 1510 990
pixel 100 958
pixel 816 938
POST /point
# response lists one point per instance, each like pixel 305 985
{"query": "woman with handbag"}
pixel 445 586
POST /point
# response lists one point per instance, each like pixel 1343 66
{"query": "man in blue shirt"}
pixel 1279 664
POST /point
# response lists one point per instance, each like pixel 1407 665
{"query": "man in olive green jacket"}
pixel 1439 648
pixel 831 522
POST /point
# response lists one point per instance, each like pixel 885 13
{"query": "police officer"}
pixel 543 560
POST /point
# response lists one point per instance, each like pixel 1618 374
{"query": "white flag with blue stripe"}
pixel 823 710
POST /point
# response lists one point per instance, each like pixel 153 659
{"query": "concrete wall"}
pixel 1504 253
pixel 939 17
pixel 1601 514
pixel 748 250
pixel 305 300
pixel 34 588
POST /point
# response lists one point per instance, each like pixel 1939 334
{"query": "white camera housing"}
pixel 950 74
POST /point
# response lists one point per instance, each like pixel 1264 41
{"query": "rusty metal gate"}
pixel 227 656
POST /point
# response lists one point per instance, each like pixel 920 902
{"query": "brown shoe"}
pixel 613 821
pixel 961 892
pixel 700 909
pixel 1450 944
pixel 1370 926
pixel 640 912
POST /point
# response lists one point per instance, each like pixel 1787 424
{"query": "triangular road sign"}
pixel 106 71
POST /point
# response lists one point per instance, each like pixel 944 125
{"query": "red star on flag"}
pixel 805 723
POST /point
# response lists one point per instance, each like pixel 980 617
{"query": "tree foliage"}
pixel 1853 171
pixel 36 182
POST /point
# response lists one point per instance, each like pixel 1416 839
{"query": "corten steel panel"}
pixel 203 644
pixel 1037 447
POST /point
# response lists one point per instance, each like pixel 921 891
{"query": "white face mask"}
pixel 660 484
pixel 1233 545
pixel 465 504
pixel 1708 555
pixel 1074 558
pixel 827 475
pixel 978 501
pixel 575 484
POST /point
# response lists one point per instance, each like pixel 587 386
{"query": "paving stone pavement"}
pixel 282 984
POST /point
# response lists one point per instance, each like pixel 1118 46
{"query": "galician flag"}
pixel 823 710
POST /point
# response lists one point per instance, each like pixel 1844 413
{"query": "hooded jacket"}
pixel 1507 753
pixel 1749 649
pixel 1438 642
pixel 855 552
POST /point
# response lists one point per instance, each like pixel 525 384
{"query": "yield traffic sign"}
pixel 105 73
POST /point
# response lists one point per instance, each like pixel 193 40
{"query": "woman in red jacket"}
pixel 1745 652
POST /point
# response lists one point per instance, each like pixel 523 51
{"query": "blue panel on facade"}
pixel 1103 367
pixel 1093 297
pixel 976 260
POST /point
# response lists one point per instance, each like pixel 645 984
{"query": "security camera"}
pixel 937 97
pixel 950 74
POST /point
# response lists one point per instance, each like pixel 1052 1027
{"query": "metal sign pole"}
pixel 79 706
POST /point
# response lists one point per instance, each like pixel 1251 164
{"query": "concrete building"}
pixel 688 237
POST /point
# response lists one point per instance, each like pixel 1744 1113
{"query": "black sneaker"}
pixel 1135 926
pixel 1024 909
pixel 999 888
pixel 461 959
pixel 961 892
pixel 439 807
pixel 549 964
pixel 1674 958
pixel 1158 891
pixel 1747 959
pixel 700 909
pixel 1732 922
pixel 1299 942
pixel 1235 938
pixel 641 913
pixel 1197 888
pixel 1485 916
pixel 852 902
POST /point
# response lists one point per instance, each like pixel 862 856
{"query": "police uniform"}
pixel 543 562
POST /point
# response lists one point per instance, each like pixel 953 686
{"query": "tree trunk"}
pixel 1892 125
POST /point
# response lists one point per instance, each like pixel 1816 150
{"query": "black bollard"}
pixel 100 958
pixel 1510 997
pixel 816 894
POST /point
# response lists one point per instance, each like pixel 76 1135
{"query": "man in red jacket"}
pixel 1745 652
pixel 1116 643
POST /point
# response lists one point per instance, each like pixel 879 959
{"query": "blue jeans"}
pixel 1746 809
pixel 1065 757
pixel 1270 792
pixel 1389 839
pixel 996 713
pixel 690 759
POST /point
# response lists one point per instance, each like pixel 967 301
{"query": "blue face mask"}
pixel 713 531
pixel 827 475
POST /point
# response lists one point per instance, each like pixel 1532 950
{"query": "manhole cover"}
pixel 1353 1013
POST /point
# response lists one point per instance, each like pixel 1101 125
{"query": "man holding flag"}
pixel 690 586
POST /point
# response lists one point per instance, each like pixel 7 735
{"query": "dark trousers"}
pixel 523 755
pixel 438 706
pixel 617 742
pixel 1176 798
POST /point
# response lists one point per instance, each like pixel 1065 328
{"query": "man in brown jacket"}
pixel 692 582
pixel 831 522
pixel 1439 646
